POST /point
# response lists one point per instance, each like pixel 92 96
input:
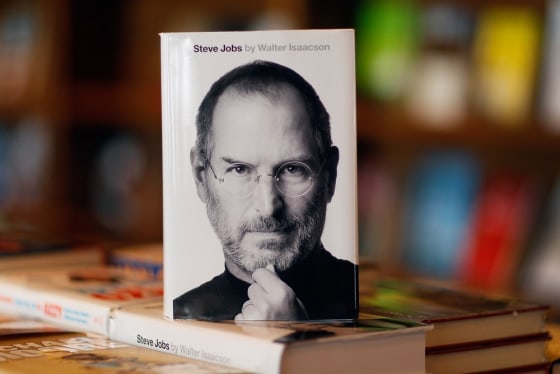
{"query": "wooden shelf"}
pixel 133 104
pixel 390 127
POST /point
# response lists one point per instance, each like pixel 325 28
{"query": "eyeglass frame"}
pixel 274 176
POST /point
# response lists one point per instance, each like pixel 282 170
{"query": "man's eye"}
pixel 293 169
pixel 239 170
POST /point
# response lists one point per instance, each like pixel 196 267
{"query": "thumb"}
pixel 271 268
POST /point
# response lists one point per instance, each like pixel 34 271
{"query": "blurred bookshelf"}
pixel 455 93
pixel 80 113
pixel 80 82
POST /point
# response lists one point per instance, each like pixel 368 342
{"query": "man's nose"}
pixel 266 199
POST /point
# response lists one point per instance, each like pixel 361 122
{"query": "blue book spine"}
pixel 438 210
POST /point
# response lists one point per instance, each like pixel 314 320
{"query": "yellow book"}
pixel 505 61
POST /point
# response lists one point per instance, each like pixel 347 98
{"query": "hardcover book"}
pixel 458 317
pixel 80 353
pixel 79 298
pixel 370 344
pixel 259 175
pixel 519 354
pixel 11 325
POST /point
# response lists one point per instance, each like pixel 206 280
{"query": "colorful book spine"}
pixel 506 51
pixel 79 298
pixel 438 211
pixel 502 218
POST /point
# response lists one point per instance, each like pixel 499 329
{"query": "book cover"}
pixel 80 353
pixel 259 174
pixel 458 316
pixel 12 325
pixel 366 345
pixel 77 298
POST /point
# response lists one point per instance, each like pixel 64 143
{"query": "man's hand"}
pixel 271 299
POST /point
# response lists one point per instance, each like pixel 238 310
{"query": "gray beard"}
pixel 308 232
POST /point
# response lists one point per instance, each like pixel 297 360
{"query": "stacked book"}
pixel 127 307
pixel 32 346
pixel 471 332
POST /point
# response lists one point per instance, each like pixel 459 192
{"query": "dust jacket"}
pixel 369 344
pixel 259 175
pixel 78 298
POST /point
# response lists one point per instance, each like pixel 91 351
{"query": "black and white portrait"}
pixel 264 169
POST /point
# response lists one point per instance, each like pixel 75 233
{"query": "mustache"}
pixel 268 224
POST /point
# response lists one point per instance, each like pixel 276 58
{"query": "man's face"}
pixel 266 227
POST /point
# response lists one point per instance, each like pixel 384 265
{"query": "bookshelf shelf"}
pixel 130 105
pixel 390 127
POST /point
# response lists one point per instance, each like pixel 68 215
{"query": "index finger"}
pixel 268 280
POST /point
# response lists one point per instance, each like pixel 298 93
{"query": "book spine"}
pixel 71 312
pixel 66 311
pixel 438 211
pixel 87 308
pixel 502 218
pixel 505 61
pixel 181 338
pixel 17 300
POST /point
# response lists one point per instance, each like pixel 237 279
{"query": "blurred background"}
pixel 458 126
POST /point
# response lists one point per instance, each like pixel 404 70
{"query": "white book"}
pixel 369 345
pixel 76 298
pixel 259 174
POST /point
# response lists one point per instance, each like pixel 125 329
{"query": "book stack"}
pixel 116 305
pixel 283 91
pixel 472 332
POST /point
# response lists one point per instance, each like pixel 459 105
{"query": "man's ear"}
pixel 198 169
pixel 331 166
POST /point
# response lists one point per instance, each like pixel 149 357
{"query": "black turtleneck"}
pixel 326 286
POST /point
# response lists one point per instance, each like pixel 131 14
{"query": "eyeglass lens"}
pixel 292 179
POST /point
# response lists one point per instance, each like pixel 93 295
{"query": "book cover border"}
pixel 187 73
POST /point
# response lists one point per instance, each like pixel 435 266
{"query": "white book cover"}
pixel 76 298
pixel 370 344
pixel 259 175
